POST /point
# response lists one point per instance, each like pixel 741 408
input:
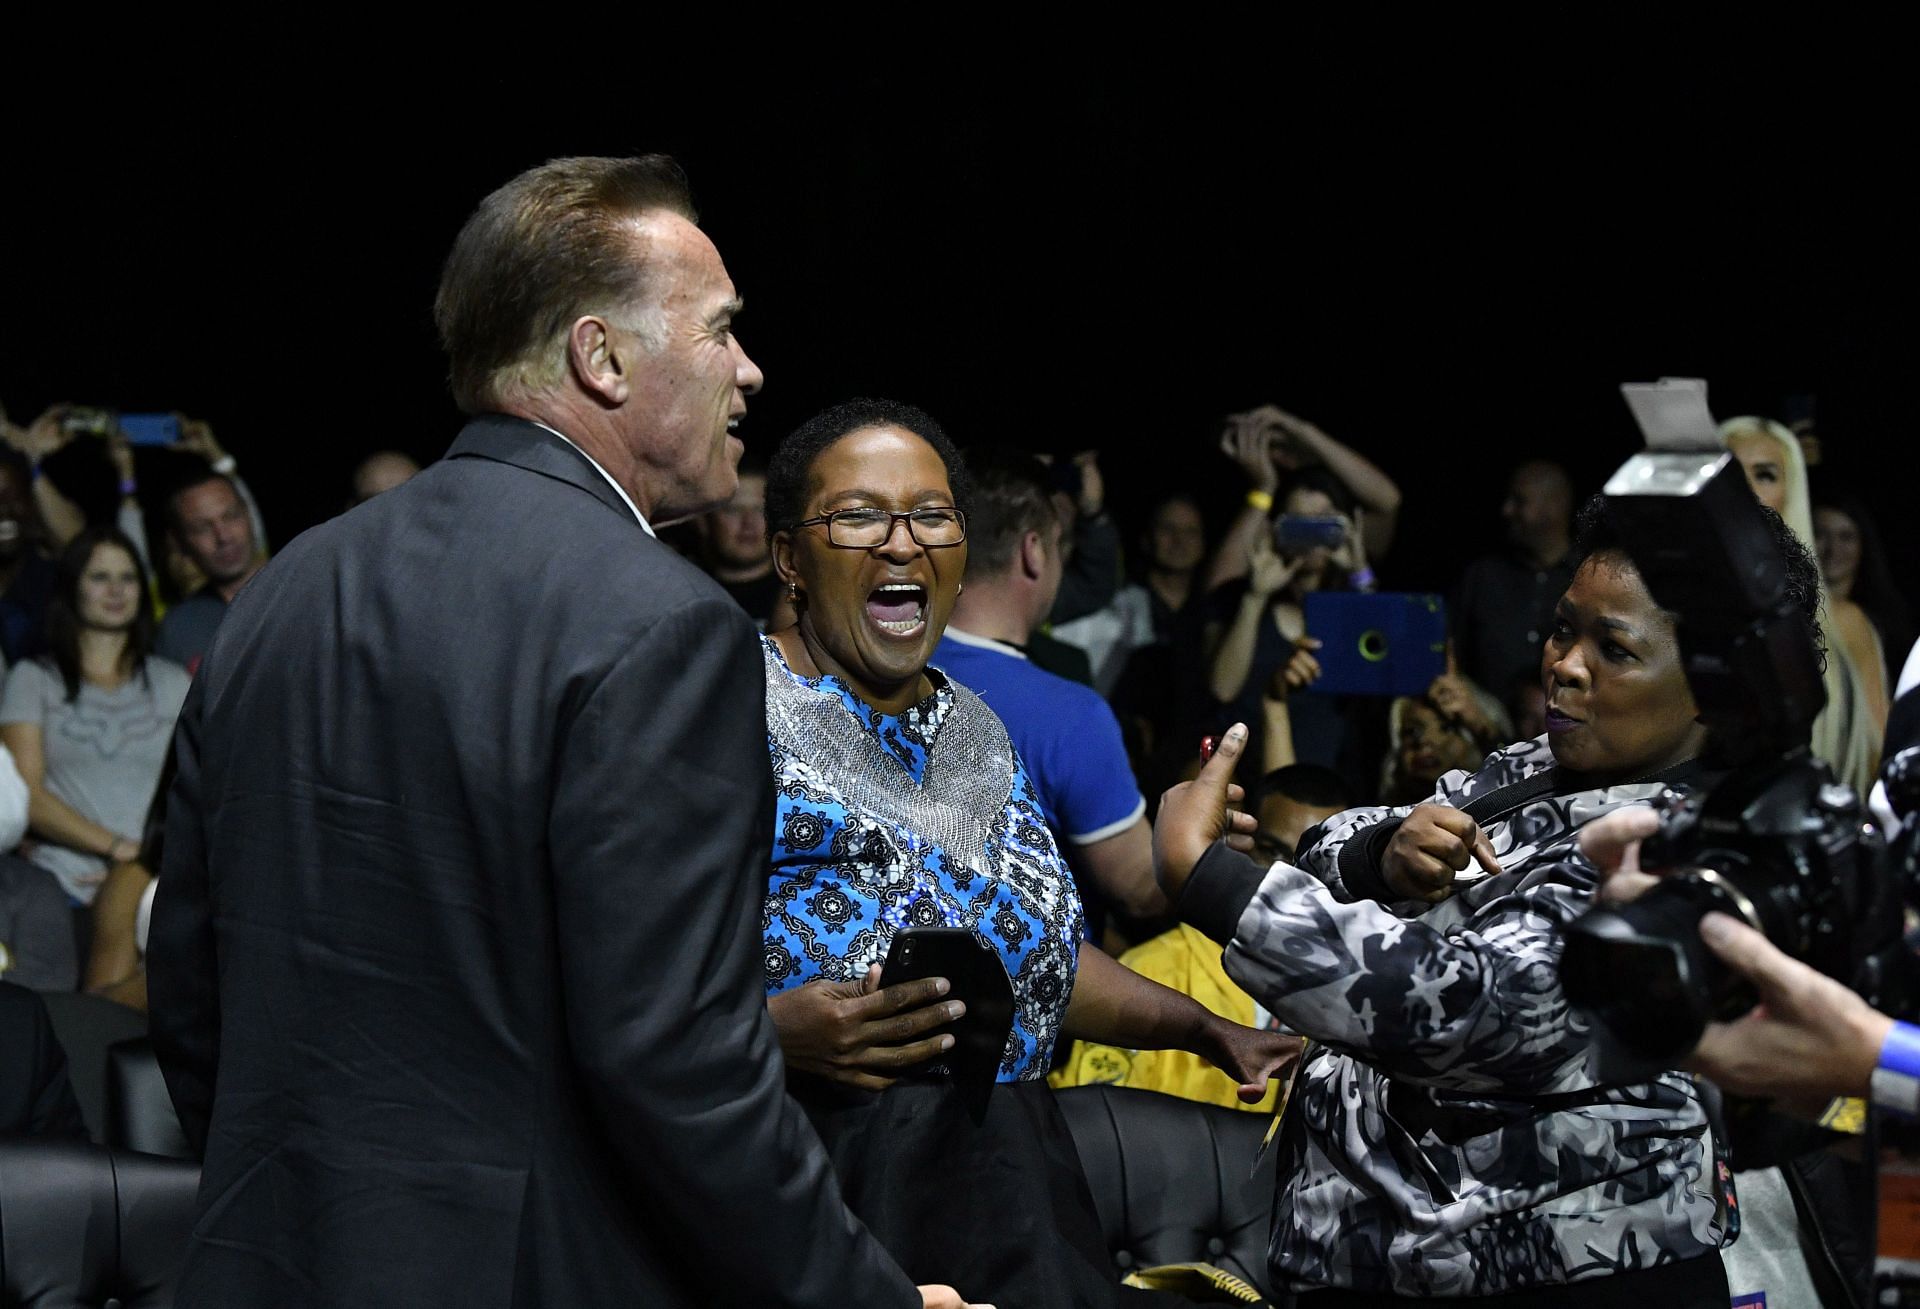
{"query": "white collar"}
pixel 618 489
pixel 984 642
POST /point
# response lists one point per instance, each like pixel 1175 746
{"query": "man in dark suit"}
pixel 455 961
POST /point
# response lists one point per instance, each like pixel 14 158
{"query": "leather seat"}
pixel 82 1225
pixel 87 1025
pixel 139 1111
pixel 1174 1181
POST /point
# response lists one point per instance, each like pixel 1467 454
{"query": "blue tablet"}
pixel 1384 643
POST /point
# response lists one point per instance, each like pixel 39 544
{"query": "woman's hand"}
pixel 945 1297
pixel 1453 696
pixel 1247 1055
pixel 1434 842
pixel 858 1035
pixel 1296 442
pixel 1267 571
pixel 1193 815
pixel 1251 447
pixel 1300 671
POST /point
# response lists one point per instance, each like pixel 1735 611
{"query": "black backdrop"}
pixel 1449 277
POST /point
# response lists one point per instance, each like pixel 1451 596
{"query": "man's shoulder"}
pixel 1007 681
pixel 201 606
pixel 1005 666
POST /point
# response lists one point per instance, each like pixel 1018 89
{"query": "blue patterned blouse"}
pixel 926 818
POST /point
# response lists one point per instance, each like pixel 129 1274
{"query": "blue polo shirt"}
pixel 1065 733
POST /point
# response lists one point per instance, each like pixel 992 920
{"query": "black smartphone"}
pixel 979 980
pixel 1297 532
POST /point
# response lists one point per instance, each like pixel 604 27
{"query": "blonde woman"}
pixel 1846 734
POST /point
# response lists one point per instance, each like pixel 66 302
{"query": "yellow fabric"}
pixel 1202 1283
pixel 1185 960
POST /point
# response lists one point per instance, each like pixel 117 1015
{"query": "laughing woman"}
pixel 901 802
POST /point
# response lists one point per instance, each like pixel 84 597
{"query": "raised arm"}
pixel 1233 659
pixel 1300 442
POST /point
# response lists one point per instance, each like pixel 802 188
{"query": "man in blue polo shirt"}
pixel 1064 731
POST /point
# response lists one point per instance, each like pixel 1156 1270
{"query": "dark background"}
pixel 1449 275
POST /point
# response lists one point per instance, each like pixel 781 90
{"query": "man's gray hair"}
pixel 553 244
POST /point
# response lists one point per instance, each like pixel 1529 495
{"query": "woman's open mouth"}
pixel 898 608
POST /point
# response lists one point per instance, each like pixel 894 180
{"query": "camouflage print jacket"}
pixel 1450 1137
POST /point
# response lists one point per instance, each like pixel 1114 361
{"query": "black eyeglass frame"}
pixel 892 518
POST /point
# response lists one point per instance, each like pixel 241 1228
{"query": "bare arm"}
pixel 113 966
pixel 49 816
pixel 1234 659
pixel 1113 1005
pixel 1252 450
pixel 1122 866
pixel 1374 490
pixel 61 516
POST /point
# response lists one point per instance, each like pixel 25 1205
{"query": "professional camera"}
pixel 1776 842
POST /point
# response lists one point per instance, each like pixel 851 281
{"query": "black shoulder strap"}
pixel 1498 804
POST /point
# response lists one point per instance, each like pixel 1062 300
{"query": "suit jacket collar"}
pixel 516 441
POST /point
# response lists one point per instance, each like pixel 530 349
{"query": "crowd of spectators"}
pixel 1109 650
pixel 117 561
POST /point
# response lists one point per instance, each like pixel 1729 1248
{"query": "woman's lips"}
pixel 1559 722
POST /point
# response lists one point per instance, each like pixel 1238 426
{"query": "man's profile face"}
pixel 214 530
pixel 692 379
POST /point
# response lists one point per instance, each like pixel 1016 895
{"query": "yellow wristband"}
pixel 1261 500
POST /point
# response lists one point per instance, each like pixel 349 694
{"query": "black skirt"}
pixel 998 1209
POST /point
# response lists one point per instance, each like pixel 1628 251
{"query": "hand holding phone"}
pixel 979 982
pixel 864 1034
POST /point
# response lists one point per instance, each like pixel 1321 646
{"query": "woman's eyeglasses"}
pixel 864 529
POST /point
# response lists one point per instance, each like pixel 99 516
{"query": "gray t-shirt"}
pixel 103 752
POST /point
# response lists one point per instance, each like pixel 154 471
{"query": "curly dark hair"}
pixel 791 467
pixel 1595 535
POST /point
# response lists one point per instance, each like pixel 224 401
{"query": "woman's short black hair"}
pixel 1594 534
pixel 792 463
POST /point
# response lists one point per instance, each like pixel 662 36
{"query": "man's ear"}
pixel 1033 556
pixel 596 356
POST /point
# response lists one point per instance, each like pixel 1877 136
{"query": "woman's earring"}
pixel 793 590
pixel 958 587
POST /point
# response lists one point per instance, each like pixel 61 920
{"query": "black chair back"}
pixel 139 1111
pixel 87 1025
pixel 84 1226
pixel 1174 1181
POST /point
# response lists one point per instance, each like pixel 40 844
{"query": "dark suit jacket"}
pixel 455 961
pixel 36 1097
